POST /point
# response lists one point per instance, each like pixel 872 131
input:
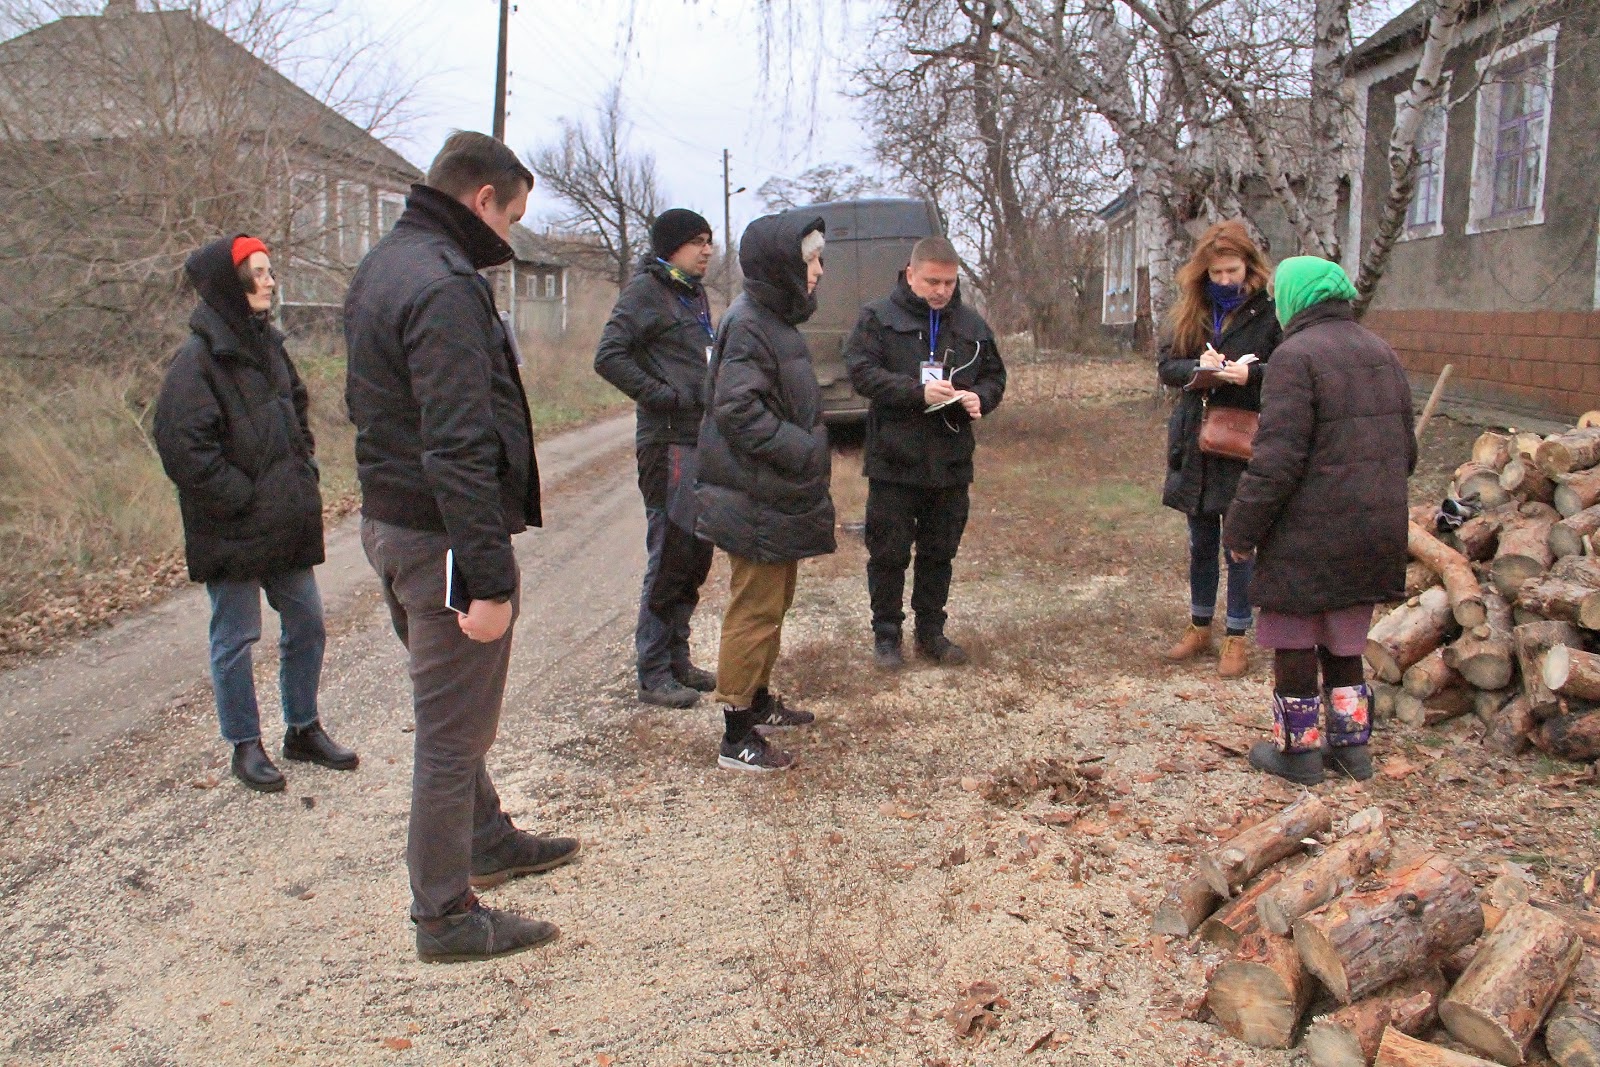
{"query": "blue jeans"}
pixel 1205 546
pixel 236 627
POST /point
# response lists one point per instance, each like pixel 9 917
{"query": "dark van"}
pixel 869 243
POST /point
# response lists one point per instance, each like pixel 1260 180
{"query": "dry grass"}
pixel 89 524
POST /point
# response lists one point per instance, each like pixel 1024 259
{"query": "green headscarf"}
pixel 1303 281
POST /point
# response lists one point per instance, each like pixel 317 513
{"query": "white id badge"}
pixel 932 372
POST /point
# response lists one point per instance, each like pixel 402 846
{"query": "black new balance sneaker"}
pixel 773 714
pixel 753 754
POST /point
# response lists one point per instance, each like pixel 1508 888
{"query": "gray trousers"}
pixel 457 688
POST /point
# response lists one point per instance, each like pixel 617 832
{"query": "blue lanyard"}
pixel 933 334
pixel 702 313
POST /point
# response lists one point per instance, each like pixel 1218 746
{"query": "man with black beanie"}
pixel 655 348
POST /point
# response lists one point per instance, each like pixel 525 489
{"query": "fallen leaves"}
pixel 976 1009
pixel 1066 781
pixel 1398 767
pixel 397 1044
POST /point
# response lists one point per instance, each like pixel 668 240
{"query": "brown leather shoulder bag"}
pixel 1228 432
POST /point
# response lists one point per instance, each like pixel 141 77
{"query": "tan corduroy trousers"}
pixel 752 628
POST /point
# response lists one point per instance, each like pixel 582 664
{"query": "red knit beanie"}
pixel 245 246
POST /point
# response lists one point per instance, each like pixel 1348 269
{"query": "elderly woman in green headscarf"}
pixel 1322 507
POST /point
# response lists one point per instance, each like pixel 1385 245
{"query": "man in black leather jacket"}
pixel 444 452
pixel 655 348
pixel 930 367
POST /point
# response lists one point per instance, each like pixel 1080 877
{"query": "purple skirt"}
pixel 1342 632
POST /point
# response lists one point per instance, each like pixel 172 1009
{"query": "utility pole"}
pixel 727 229
pixel 500 72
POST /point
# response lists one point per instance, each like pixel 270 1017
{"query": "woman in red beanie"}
pixel 231 426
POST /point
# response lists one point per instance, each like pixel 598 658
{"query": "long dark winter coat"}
pixel 444 441
pixel 1324 499
pixel 764 459
pixel 653 348
pixel 232 431
pixel 1198 484
pixel 906 443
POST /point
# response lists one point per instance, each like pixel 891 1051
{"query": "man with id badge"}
pixel 656 348
pixel 929 367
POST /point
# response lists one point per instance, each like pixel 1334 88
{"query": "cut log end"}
pixel 1398 1050
pixel 1260 994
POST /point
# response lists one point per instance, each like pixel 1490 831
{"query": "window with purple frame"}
pixel 1519 134
pixel 1427 198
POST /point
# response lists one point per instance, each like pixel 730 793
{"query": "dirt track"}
pixel 156 914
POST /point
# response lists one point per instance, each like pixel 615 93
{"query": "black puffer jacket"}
pixel 654 349
pixel 905 442
pixel 233 435
pixel 1198 484
pixel 764 459
pixel 444 441
pixel 1324 499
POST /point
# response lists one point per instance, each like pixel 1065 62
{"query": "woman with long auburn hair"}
pixel 1221 332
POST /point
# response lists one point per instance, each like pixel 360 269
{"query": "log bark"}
pixel 1385 700
pixel 1366 939
pixel 1509 727
pixel 1577 492
pixel 1186 905
pixel 1572 672
pixel 1500 896
pixel 1523 481
pixel 1408 633
pixel 1533 640
pixel 1486 703
pixel 1238 860
pixel 1398 1050
pixel 1429 675
pixel 1568 452
pixel 1260 994
pixel 1349 1037
pixel 1419 578
pixel 1484 654
pixel 1587 923
pixel 1476 482
pixel 1441 707
pixel 1492 449
pixel 1237 919
pixel 1574 736
pixel 1478 537
pixel 1466 595
pixel 1523 554
pixel 1339 868
pixel 1573 536
pixel 1572 1035
pixel 1498 1005
pixel 1526 444
pixel 1569 592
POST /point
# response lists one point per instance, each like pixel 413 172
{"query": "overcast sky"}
pixel 692 79
pixel 691 75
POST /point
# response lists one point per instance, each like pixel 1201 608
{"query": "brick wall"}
pixel 1538 362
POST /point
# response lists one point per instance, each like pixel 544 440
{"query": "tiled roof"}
pixel 114 76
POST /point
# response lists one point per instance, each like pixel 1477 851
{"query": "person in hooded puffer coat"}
pixel 232 430
pixel 764 474
pixel 1323 509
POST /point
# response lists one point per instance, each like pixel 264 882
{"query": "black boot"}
pixel 253 767
pixel 687 674
pixel 941 650
pixel 1302 768
pixel 311 744
pixel 886 652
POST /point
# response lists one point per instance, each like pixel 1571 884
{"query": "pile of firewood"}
pixel 1397 961
pixel 1503 608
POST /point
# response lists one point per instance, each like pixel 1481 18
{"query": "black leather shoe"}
pixel 519 854
pixel 479 933
pixel 253 767
pixel 702 681
pixel 941 650
pixel 886 653
pixel 311 744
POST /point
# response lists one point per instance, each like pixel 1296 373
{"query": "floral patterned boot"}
pixel 1295 751
pixel 1349 730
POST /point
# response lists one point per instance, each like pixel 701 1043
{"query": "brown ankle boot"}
pixel 1235 662
pixel 1195 640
